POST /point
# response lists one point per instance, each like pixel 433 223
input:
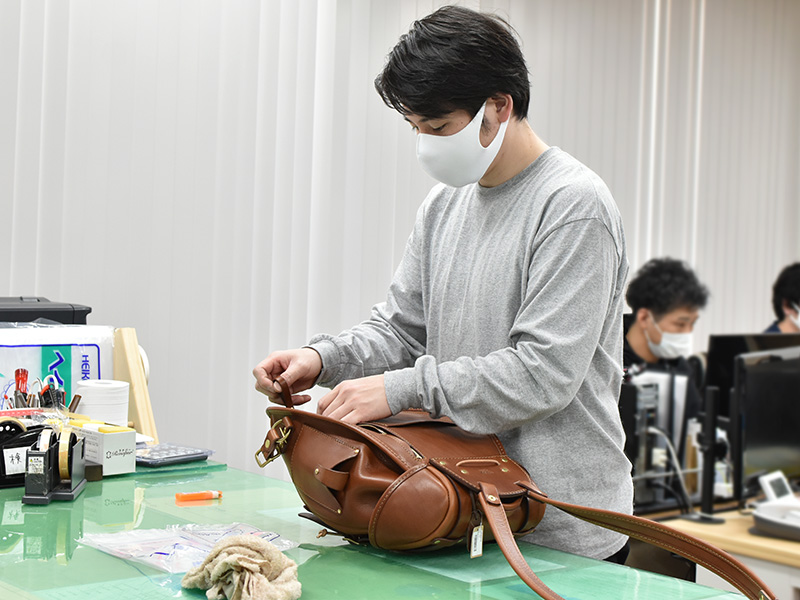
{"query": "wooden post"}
pixel 128 367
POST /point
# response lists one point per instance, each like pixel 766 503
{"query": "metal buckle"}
pixel 271 449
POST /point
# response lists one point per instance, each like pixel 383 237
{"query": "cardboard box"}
pixel 114 448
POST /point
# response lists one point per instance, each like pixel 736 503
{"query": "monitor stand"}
pixel 708 447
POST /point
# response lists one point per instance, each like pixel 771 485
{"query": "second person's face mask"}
pixel 672 345
pixel 795 318
pixel 459 159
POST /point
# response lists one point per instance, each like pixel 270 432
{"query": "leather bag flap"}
pixel 503 472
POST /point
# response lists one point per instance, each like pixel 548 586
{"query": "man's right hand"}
pixel 300 368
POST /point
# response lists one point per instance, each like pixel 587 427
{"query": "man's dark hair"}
pixel 786 287
pixel 663 285
pixel 454 59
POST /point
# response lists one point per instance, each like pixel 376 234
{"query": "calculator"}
pixel 160 455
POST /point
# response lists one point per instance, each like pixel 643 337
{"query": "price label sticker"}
pixel 476 542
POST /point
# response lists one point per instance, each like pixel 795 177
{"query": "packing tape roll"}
pixel 9 427
pixel 66 441
pixel 46 438
pixel 145 364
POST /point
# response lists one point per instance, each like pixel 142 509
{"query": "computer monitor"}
pixel 723 349
pixel 764 430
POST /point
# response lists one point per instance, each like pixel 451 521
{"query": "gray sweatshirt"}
pixel 505 314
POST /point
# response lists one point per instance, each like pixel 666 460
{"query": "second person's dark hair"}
pixel 664 284
pixel 786 287
pixel 454 59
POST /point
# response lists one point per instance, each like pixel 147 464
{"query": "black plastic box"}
pixel 24 309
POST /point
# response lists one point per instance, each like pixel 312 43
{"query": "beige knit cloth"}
pixel 245 567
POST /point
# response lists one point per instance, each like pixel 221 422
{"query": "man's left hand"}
pixel 356 401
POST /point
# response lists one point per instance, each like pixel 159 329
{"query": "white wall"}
pixel 221 175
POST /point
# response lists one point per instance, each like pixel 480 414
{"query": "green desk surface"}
pixel 170 470
pixel 40 557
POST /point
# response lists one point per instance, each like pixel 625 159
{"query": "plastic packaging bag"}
pixel 177 548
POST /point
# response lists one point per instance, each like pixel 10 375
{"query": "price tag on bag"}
pixel 476 543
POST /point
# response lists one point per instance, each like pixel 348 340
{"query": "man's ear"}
pixel 504 106
pixel 641 317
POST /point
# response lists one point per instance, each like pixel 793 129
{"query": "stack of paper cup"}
pixel 104 400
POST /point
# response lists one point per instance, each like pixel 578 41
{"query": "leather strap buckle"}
pixel 275 442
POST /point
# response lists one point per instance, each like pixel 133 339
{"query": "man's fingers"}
pixel 292 379
pixel 356 401
pixel 329 402
pixel 268 392
pixel 266 385
pixel 264 381
pixel 344 414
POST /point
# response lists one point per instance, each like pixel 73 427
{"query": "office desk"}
pixel 40 558
pixel 776 561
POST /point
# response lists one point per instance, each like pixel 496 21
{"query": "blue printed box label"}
pixel 66 355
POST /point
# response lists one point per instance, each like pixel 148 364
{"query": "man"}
pixel 505 313
pixel 786 301
pixel 666 298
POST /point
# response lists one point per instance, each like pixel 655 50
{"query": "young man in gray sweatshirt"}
pixel 505 313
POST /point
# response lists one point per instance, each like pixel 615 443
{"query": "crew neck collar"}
pixel 536 165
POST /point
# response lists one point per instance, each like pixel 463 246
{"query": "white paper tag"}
pixel 476 545
pixel 14 459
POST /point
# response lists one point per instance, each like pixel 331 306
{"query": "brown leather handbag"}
pixel 411 482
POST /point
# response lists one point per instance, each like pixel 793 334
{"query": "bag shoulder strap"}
pixel 696 550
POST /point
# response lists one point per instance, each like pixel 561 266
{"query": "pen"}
pixel 206 495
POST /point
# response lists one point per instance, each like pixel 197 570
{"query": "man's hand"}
pixel 300 368
pixel 356 401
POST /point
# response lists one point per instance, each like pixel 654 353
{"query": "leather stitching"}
pixel 375 438
pixel 388 493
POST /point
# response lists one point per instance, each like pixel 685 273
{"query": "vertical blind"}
pixel 222 176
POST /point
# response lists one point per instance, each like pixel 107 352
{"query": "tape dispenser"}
pixel 55 466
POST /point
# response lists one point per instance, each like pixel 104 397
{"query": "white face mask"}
pixel 459 159
pixel 673 345
pixel 795 318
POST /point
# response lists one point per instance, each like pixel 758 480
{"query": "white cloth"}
pixel 245 567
